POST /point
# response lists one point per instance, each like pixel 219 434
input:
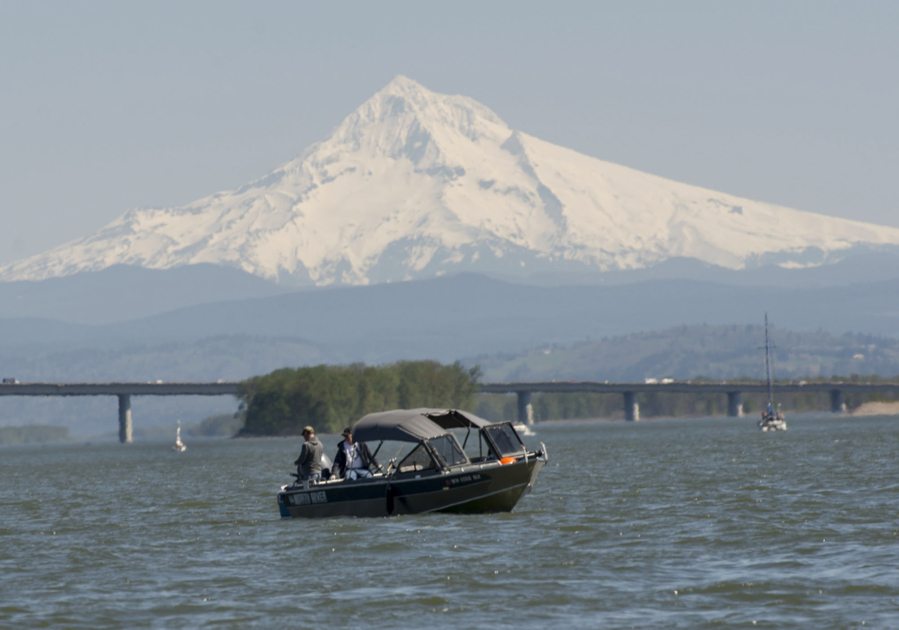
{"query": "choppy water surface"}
pixel 667 523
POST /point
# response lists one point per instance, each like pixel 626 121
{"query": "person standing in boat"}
pixel 353 459
pixel 309 463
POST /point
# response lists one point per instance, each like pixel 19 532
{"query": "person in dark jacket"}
pixel 353 459
pixel 309 463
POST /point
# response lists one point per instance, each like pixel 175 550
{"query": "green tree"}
pixel 330 397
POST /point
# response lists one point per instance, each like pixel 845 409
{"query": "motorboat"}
pixel 772 418
pixel 438 460
pixel 524 429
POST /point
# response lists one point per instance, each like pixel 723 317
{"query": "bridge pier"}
pixel 734 405
pixel 125 429
pixel 631 407
pixel 525 409
pixel 837 401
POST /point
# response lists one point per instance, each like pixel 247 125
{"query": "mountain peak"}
pixel 405 120
pixel 403 96
pixel 415 184
pixel 401 85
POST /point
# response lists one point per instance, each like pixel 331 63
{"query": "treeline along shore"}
pixel 330 397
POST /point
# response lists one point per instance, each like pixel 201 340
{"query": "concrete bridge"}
pixel 123 391
pixel 837 391
pixel 524 390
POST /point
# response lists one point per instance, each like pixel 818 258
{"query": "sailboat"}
pixel 179 446
pixel 772 418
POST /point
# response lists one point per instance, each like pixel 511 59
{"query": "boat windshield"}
pixel 417 460
pixel 504 438
pixel 447 449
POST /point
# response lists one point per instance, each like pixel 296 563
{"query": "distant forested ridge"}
pixel 691 352
pixel 330 397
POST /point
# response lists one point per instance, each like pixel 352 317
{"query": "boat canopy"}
pixel 413 425
pixel 456 419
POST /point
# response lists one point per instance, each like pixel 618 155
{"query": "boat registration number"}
pixel 309 497
pixel 463 480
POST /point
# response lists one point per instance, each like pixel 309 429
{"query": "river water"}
pixel 666 523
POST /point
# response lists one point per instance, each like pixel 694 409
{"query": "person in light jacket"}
pixel 353 459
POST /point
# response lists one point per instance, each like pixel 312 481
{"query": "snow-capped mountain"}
pixel 416 184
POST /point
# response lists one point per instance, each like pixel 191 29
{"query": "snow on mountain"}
pixel 417 184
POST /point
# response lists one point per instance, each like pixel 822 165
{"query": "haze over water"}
pixel 686 523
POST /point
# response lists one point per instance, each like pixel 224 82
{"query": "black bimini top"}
pixel 413 425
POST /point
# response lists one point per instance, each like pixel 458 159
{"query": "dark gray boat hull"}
pixel 471 489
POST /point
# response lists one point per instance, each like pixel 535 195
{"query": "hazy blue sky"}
pixel 111 105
